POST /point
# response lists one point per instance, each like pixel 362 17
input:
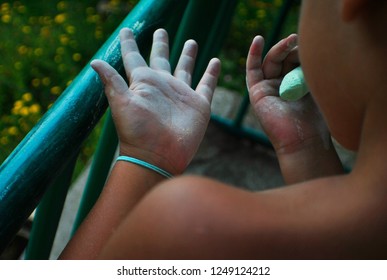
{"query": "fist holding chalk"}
pixel 293 86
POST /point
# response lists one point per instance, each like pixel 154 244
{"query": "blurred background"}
pixel 45 44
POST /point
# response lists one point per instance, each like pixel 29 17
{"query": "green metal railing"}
pixel 50 146
pixel 40 168
pixel 235 126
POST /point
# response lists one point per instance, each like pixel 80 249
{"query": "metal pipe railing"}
pixel 48 214
pixel 54 141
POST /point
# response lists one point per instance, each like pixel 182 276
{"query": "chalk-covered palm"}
pixel 159 117
pixel 290 125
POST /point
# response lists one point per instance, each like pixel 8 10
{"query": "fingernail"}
pixel 292 41
pixel 259 39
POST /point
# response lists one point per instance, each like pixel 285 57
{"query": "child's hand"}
pixel 288 124
pixel 159 117
pixel 296 128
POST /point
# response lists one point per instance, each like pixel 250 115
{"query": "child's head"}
pixel 342 51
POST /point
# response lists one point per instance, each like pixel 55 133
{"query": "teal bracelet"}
pixel 146 165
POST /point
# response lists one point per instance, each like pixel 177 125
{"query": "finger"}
pixel 131 56
pixel 115 85
pixel 254 73
pixel 208 82
pixel 264 89
pixel 291 61
pixel 273 63
pixel 159 58
pixel 186 63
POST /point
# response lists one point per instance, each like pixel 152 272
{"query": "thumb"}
pixel 115 85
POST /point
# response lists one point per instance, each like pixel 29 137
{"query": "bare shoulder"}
pixel 202 218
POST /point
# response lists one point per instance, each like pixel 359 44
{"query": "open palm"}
pixel 159 117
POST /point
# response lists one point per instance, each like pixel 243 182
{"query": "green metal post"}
pixel 99 169
pixel 207 22
pixel 40 157
pixel 273 37
pixel 48 214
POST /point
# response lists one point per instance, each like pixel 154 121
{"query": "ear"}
pixel 350 9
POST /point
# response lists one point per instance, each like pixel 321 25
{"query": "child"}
pixel 323 213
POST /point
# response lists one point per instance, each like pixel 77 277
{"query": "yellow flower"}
pixel 98 34
pixel 62 5
pixel 4 141
pixel 93 18
pixel 60 18
pixel 47 20
pixel 15 111
pixel 26 29
pixel 261 14
pixel 70 29
pixel 77 57
pixel 22 49
pixel 24 111
pixel 60 50
pixel 27 97
pixel 64 39
pixel 5 8
pixel 33 20
pixel 278 3
pixel 6 18
pixel 41 20
pixel 21 9
pixel 18 104
pixel 13 131
pixel 24 125
pixel 45 31
pixel 46 81
pixel 34 109
pixel 38 52
pixel 55 90
pixel 35 82
pixel 115 2
pixel 62 67
pixel 90 10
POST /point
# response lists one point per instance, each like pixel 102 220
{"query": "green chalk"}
pixel 293 85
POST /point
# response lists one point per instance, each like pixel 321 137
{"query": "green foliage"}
pixel 252 18
pixel 45 44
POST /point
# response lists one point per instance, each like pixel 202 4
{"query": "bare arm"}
pixel 199 218
pixel 159 118
pixel 126 186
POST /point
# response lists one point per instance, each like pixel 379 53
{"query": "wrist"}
pixel 146 165
pixel 311 159
pixel 151 158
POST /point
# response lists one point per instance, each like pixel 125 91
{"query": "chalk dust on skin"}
pixel 300 131
pixel 284 109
